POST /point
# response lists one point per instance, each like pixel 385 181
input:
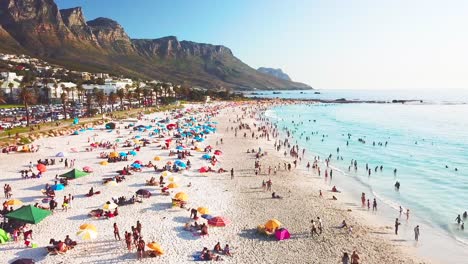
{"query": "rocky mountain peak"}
pixel 111 35
pixel 76 22
pixel 278 73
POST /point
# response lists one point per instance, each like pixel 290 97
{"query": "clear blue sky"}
pixel 366 44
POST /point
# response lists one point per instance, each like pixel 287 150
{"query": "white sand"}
pixel 242 200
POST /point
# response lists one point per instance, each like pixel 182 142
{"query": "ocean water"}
pixel 426 142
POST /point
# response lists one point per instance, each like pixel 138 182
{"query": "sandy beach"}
pixel 241 199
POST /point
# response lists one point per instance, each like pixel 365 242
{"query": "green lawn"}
pixel 8 106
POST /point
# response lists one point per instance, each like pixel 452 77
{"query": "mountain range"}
pixel 278 73
pixel 39 28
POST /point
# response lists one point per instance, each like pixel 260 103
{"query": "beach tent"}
pixel 110 125
pixel 282 234
pixel 61 154
pixel 219 221
pixel 4 236
pixel 156 248
pixel 74 174
pixel 28 214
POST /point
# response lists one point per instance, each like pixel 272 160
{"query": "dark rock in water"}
pixel 316 92
pixel 276 92
pixel 341 100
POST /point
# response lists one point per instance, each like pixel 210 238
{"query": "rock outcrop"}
pixel 278 73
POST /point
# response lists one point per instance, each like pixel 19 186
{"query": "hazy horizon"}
pixel 326 44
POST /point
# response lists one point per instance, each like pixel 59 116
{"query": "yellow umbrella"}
pixel 114 154
pixel 136 141
pixel 88 226
pixel 181 196
pixel 157 158
pixel 203 210
pixel 14 202
pixel 166 173
pixel 87 234
pixel 199 150
pixel 111 183
pixel 109 206
pixel 173 185
pixel 156 248
pixel 104 163
pixel 173 179
pixel 272 224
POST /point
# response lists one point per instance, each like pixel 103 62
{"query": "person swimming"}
pixel 397 185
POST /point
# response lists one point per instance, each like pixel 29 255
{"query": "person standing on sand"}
pixel 374 205
pixel 232 173
pixel 397 224
pixel 116 232
pixel 313 229
pixel 363 199
pixel 140 248
pixel 345 258
pixel 416 233
pixel 354 258
pixel 320 225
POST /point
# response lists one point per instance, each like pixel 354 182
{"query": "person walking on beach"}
pixel 232 173
pixel 345 258
pixel 397 224
pixel 320 225
pixel 313 229
pixel 416 233
pixel 354 258
pixel 374 205
pixel 458 219
pixel 363 199
pixel 128 240
pixel 116 232
pixel 140 248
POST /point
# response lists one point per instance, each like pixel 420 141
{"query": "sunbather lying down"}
pixel 275 196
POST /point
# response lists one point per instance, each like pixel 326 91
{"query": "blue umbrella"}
pixel 206 156
pixel 180 164
pixel 137 136
pixel 179 147
pixel 58 187
pixel 136 166
pixel 123 154
pixel 133 153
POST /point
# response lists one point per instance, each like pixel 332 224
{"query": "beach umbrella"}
pixel 58 187
pixel 24 261
pixel 87 234
pixel 28 214
pixel 203 210
pixel 110 125
pixel 133 153
pixel 117 140
pixel 14 202
pixel 156 248
pixel 207 216
pixel 111 183
pixel 87 169
pixel 4 236
pixel 157 158
pixel 109 206
pixel 206 156
pixel 166 173
pixel 218 152
pixel 203 169
pixel 138 162
pixel 179 148
pixel 181 196
pixel 219 221
pixel 273 224
pixel 282 234
pixel 104 163
pixel 88 226
pixel 138 137
pixel 113 154
pixel 61 154
pixel 172 185
pixel 75 173
pixel 74 150
pixel 41 168
pixel 123 154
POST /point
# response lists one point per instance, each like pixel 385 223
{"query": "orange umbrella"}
pixel 41 167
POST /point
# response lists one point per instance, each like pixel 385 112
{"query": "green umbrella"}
pixel 4 236
pixel 28 214
pixel 74 174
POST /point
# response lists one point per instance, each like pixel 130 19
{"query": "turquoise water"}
pixel 422 141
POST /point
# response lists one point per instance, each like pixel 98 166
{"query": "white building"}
pixel 107 88
pixel 55 93
pixel 10 78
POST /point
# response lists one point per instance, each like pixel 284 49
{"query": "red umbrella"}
pixel 41 167
pixel 203 169
pixel 218 152
pixel 219 221
pixel 138 162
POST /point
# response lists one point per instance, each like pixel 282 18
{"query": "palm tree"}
pixel 11 85
pixel 166 88
pixel 2 95
pixel 112 100
pixel 157 91
pixel 146 93
pixel 137 95
pixel 80 90
pixel 101 99
pixel 121 95
pixel 73 93
pixel 89 102
pixel 27 97
pixel 64 99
